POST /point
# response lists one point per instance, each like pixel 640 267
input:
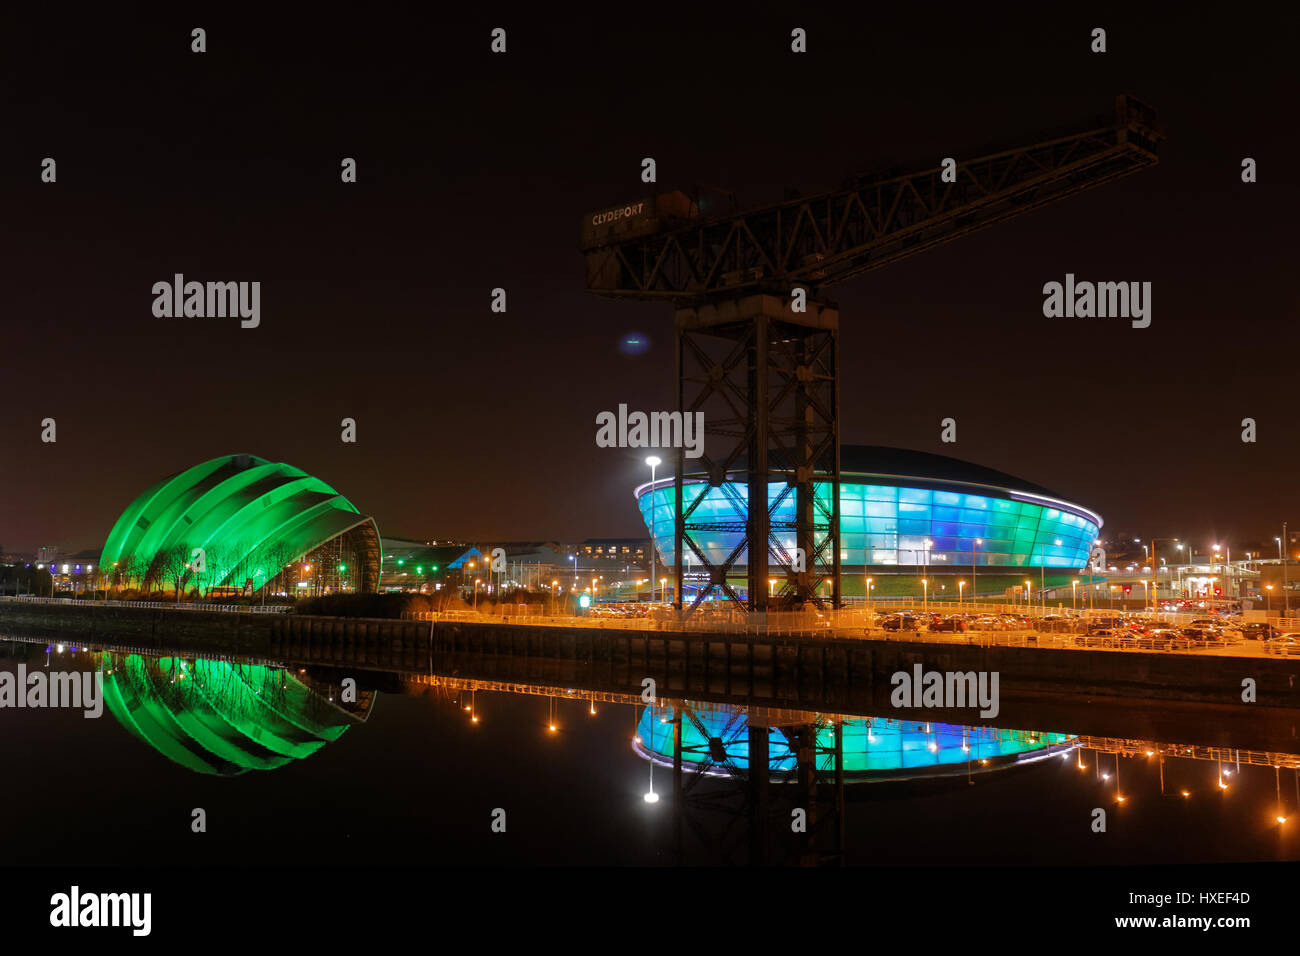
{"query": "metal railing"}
pixel 160 605
pixel 862 625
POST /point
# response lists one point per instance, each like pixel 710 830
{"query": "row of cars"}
pixel 621 610
pixel 1121 630
pixel 1202 631
pixel 931 621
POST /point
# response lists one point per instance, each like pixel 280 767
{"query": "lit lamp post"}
pixel 1269 598
pixel 1286 591
pixel 1074 595
pixel 974 590
pixel 1029 585
pixel 1155 570
pixel 651 796
pixel 961 594
pixel 653 462
pixel 925 600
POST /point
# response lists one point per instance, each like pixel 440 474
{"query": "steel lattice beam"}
pixel 766 379
pixel 833 236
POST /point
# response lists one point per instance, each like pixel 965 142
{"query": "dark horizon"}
pixel 474 171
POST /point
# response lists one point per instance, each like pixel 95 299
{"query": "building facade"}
pixel 906 516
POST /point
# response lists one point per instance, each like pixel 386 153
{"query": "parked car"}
pixel 903 622
pixel 949 624
pixel 1288 643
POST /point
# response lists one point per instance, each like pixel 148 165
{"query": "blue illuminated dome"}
pixel 875 749
pixel 894 501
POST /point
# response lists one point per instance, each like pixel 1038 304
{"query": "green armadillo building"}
pixel 242 521
pixel 222 717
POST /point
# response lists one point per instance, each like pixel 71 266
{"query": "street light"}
pixel 974 592
pixel 961 594
pixel 653 462
pixel 1155 567
pixel 1074 595
pixel 925 601
pixel 1286 591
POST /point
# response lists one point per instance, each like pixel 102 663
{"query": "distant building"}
pixel 617 549
pixel 908 519
pixel 427 566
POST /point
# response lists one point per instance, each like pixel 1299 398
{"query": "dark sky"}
pixel 475 171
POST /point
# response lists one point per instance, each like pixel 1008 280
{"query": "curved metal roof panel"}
pixel 246 513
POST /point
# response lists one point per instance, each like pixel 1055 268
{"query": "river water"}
pixel 292 764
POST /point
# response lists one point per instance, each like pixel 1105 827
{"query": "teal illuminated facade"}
pixel 875 749
pixel 908 511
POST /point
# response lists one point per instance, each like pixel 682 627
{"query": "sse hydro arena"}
pixel 905 516
pixel 715 742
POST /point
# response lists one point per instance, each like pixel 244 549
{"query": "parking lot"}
pixel 1219 635
pixel 1223 636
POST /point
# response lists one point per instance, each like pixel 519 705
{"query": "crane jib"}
pixel 660 247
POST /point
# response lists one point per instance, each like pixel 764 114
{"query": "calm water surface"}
pixel 288 772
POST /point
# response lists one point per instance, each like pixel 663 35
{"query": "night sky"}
pixel 475 171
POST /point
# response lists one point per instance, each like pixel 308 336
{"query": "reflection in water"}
pixel 218 717
pixel 1165 801
pixel 715 739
